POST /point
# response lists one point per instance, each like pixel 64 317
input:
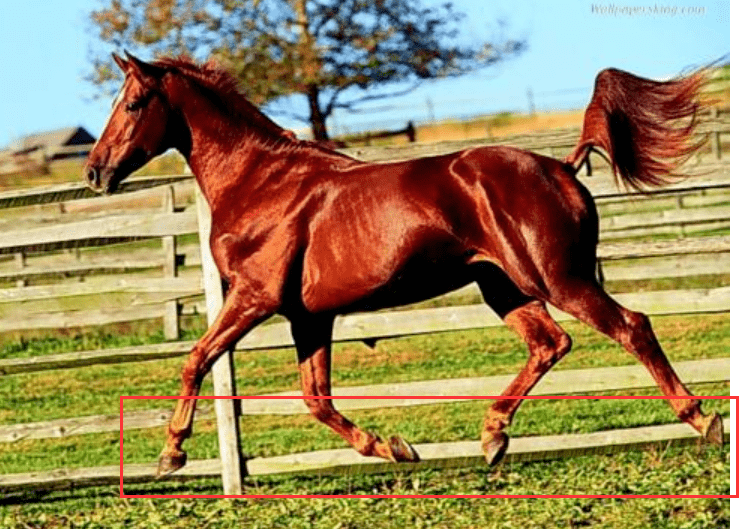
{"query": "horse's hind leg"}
pixel 547 343
pixel 588 302
pixel 312 335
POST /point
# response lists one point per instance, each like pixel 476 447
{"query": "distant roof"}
pixel 53 138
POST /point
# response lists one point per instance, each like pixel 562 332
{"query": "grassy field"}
pixel 664 470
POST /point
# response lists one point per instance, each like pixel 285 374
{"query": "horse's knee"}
pixel 191 374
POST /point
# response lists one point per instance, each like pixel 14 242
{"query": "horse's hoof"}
pixel 169 463
pixel 715 432
pixel 495 447
pixel 401 451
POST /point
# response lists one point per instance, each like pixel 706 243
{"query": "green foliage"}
pixel 321 49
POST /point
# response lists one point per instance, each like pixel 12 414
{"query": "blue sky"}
pixel 44 52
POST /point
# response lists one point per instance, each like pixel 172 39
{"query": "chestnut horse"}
pixel 310 233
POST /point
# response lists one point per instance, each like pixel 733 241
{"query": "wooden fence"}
pixel 714 125
pixel 436 455
pixel 698 203
pixel 49 244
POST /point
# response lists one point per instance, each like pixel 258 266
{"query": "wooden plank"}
pixel 383 325
pixel 14 219
pixel 468 453
pixel 115 227
pixel 565 137
pixel 699 177
pixel 343 461
pixel 77 190
pixel 685 266
pixel 140 353
pixel 81 318
pixel 48 265
pixel 629 250
pixel 131 226
pixel 227 416
pixel 70 304
pixel 405 323
pixel 676 230
pixel 575 381
pixel 668 217
pixel 44 265
pixel 629 204
pixel 152 290
pixel 106 265
pixel 190 284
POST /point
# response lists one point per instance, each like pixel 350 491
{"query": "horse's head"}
pixel 136 130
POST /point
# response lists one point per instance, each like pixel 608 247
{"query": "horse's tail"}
pixel 646 127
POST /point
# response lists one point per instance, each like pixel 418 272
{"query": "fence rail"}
pixel 374 326
pixel 459 454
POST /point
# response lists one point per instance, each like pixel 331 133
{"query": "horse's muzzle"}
pixel 93 179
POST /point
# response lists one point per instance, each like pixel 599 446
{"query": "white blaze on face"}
pixel 114 105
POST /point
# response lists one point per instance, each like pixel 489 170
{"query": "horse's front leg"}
pixel 312 335
pixel 238 315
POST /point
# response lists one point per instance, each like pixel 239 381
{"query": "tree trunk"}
pixel 318 119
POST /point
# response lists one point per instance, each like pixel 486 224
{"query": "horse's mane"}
pixel 218 80
pixel 228 93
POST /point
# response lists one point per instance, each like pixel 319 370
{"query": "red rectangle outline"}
pixel 430 397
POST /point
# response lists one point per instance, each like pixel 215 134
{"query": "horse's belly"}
pixel 364 278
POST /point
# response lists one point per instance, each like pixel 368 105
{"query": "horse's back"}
pixel 408 230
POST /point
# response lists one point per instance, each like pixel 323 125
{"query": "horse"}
pixel 310 233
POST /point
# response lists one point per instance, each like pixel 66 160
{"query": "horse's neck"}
pixel 224 152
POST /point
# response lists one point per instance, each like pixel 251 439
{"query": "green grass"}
pixel 265 436
pixel 657 471
pixel 95 389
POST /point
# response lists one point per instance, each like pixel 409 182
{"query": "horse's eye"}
pixel 132 107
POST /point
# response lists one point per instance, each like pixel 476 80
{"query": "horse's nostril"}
pixel 93 177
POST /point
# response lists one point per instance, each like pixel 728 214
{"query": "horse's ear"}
pixel 143 71
pixel 120 62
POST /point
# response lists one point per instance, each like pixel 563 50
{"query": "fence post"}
pixel 169 268
pixel 20 261
pixel 227 410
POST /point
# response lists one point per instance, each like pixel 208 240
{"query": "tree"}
pixel 323 49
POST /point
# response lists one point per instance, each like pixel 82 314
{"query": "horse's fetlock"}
pixel 366 446
pixel 691 409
